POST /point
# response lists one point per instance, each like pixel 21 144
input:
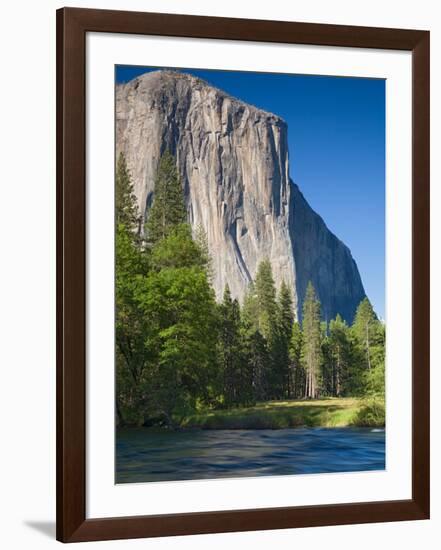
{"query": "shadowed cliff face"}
pixel 233 161
pixel 323 259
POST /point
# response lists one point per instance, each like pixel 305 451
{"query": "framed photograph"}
pixel 242 275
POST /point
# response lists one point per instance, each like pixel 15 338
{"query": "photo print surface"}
pixel 249 274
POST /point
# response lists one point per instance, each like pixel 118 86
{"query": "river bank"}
pixel 325 413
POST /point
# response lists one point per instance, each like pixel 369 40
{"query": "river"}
pixel 146 455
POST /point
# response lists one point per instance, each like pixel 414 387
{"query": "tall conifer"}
pixel 311 348
pixel 296 371
pixel 201 240
pixel 266 299
pixel 364 329
pixel 280 347
pixel 125 200
pixel 340 355
pixel 131 329
pixel 168 208
pixel 230 348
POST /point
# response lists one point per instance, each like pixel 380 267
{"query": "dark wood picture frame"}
pixel 72 26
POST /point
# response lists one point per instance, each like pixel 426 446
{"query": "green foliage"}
pixel 343 379
pixel 179 353
pixel 279 380
pixel 297 377
pixel 130 326
pixel 177 250
pixel 259 331
pixel 168 208
pixel 180 307
pixel 266 300
pixel 166 326
pixel 372 413
pixel 125 200
pixel 255 352
pixel 285 310
pixel 364 330
pixel 201 241
pixel 369 336
pixel 311 345
pixel 375 381
pixel 250 308
pixel 257 358
pixel 237 370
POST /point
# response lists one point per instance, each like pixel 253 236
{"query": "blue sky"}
pixel 336 134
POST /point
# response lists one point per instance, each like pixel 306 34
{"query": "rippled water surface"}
pixel 146 455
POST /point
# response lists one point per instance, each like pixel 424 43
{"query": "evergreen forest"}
pixel 181 353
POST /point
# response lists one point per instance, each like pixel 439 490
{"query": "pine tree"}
pixel 125 200
pixel 326 371
pixel 311 346
pixel 364 329
pixel 281 358
pixel 250 308
pixel 369 347
pixel 166 328
pixel 201 240
pixel 230 348
pixel 168 208
pixel 340 356
pixel 266 299
pixel 285 309
pixel 254 346
pixel 131 328
pixel 177 250
pixel 185 325
pixel 296 371
pixel 265 295
pixel 179 304
pixel 256 359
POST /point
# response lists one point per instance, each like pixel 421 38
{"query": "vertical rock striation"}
pixel 323 259
pixel 233 161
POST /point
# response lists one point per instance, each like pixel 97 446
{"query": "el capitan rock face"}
pixel 233 161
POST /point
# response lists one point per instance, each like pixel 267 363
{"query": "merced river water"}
pixel 147 455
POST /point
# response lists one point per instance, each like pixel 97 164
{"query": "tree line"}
pixel 178 350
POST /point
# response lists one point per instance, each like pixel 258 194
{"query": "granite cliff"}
pixel 233 161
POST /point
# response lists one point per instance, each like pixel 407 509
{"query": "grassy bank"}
pixel 332 412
